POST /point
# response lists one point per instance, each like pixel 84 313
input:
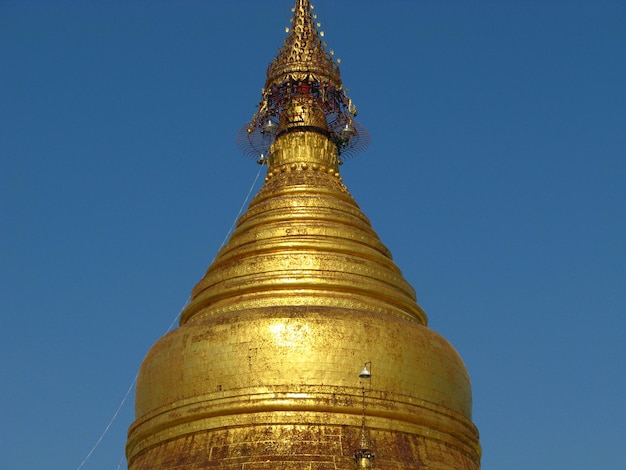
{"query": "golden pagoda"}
pixel 303 347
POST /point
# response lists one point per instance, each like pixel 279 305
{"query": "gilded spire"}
pixel 257 375
pixel 303 91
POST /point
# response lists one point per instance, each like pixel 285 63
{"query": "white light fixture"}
pixel 365 373
pixel 269 127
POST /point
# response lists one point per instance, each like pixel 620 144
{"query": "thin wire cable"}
pixel 132 385
pixel 243 206
pixel 119 465
pixel 180 312
pixel 121 405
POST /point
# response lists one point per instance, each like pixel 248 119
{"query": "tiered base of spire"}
pixel 298 447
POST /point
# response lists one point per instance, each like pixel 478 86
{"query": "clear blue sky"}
pixel 496 175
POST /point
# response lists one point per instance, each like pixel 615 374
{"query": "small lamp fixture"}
pixel 363 456
pixel 348 131
pixel 365 373
pixel 270 127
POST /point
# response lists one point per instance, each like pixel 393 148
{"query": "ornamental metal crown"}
pixel 304 72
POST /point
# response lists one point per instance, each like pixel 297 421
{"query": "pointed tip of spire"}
pixel 303 56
